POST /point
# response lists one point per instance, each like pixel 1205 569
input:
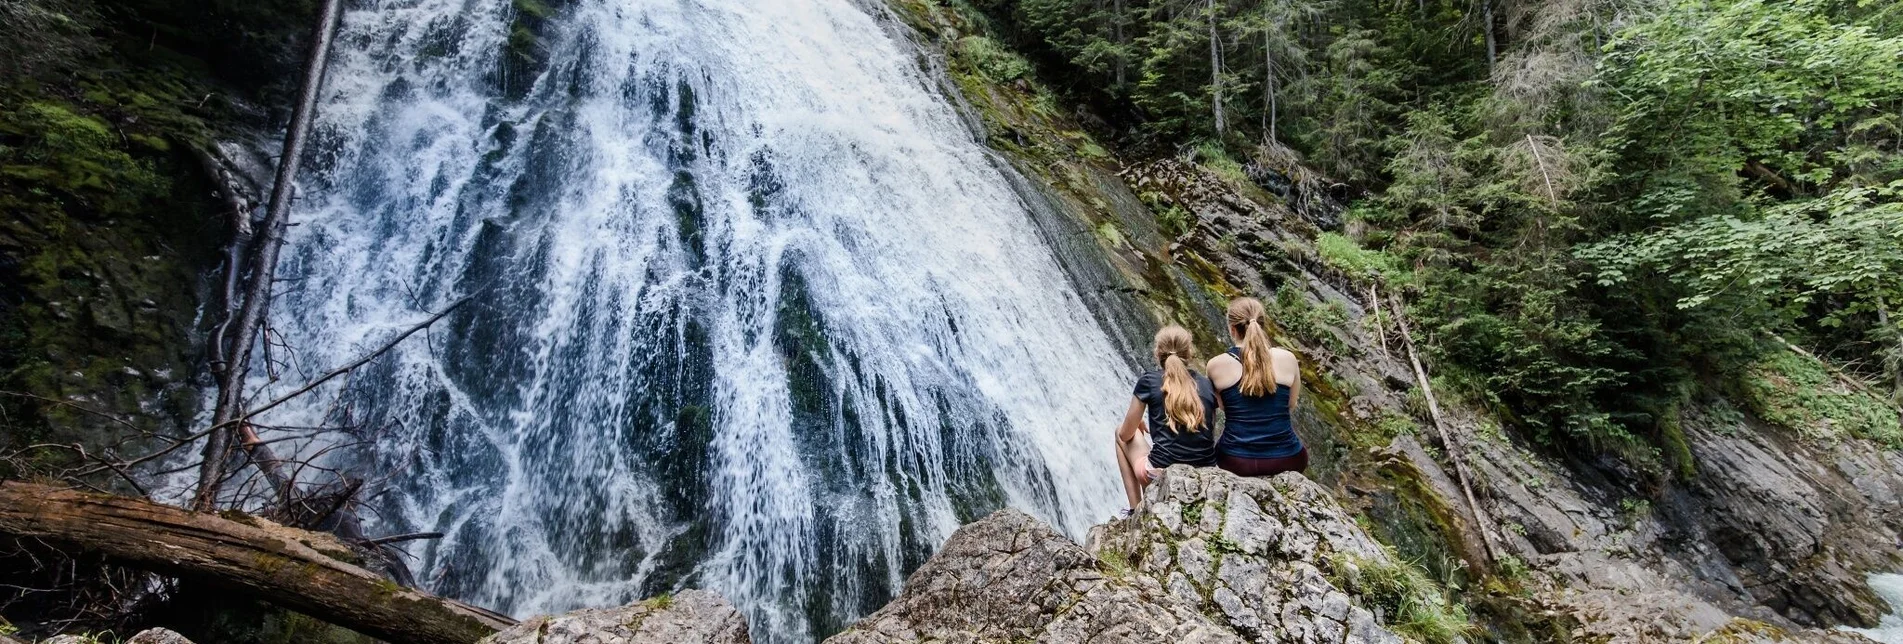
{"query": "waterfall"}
pixel 1890 629
pixel 752 309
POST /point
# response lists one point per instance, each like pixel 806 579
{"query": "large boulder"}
pixel 691 617
pixel 1011 578
pixel 1276 560
pixel 1211 557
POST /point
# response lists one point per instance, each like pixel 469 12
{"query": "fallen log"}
pixel 310 572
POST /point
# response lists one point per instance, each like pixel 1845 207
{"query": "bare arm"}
pixel 1132 421
pixel 1287 364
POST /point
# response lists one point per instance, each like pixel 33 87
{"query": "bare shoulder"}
pixel 1280 354
pixel 1224 371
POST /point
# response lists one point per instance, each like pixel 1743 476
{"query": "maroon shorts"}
pixel 1263 466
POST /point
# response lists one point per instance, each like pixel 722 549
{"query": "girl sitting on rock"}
pixel 1259 386
pixel 1180 406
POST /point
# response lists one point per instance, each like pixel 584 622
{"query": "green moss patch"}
pixel 1799 393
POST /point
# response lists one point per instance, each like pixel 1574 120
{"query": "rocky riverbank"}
pixel 1211 558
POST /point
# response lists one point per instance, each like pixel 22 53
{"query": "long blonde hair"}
pixel 1181 402
pixel 1245 321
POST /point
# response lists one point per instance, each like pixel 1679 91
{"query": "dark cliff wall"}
pixel 111 220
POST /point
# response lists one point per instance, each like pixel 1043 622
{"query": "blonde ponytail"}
pixel 1258 369
pixel 1181 402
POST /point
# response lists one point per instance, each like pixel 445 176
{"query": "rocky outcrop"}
pixel 147 636
pixel 1212 558
pixel 1009 578
pixel 1262 554
pixel 691 617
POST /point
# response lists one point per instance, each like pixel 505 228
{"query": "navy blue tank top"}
pixel 1257 426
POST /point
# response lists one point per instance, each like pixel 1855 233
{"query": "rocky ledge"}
pixel 1212 558
pixel 692 617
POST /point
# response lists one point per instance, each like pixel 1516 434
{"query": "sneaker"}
pixel 1124 514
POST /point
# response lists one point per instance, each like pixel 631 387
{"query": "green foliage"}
pixel 1617 205
pixel 1291 310
pixel 38 35
pixel 1211 155
pixel 67 155
pixel 1415 606
pixel 1343 254
pixel 1783 91
pixel 1798 393
pixel 1846 244
pixel 992 60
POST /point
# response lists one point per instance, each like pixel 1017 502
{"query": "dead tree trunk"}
pixel 1215 72
pixel 304 571
pixel 1456 451
pixel 257 292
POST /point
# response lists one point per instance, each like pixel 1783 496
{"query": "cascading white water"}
pixel 1890 630
pixel 753 311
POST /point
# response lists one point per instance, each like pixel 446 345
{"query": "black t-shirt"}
pixel 1182 446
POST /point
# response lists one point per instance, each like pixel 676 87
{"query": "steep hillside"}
pixel 1768 495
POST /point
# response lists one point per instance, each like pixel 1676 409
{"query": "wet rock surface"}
pixel 691 617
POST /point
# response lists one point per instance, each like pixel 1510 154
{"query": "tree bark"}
pixel 1215 71
pixel 301 570
pixel 1268 71
pixel 257 292
pixel 1894 362
pixel 1493 48
pixel 1116 31
pixel 1455 450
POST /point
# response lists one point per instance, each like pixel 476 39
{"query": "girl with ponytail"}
pixel 1180 406
pixel 1258 386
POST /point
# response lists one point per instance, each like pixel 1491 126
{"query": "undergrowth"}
pixel 1404 597
pixel 1797 392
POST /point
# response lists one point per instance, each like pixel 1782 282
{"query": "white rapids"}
pixel 1890 630
pixel 752 309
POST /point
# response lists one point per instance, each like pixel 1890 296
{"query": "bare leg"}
pixel 1131 490
pixel 1134 457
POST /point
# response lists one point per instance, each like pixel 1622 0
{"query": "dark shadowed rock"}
pixel 691 617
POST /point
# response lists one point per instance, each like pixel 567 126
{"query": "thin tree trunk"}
pixel 1268 74
pixel 1493 48
pixel 257 294
pixel 1215 72
pixel 1894 363
pixel 1455 450
pixel 1116 34
pixel 301 570
pixel 1379 328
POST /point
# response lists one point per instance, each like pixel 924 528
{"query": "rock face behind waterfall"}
pixel 1213 558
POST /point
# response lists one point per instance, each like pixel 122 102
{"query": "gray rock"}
pixel 1232 542
pixel 1009 577
pixel 691 617
pixel 158 636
